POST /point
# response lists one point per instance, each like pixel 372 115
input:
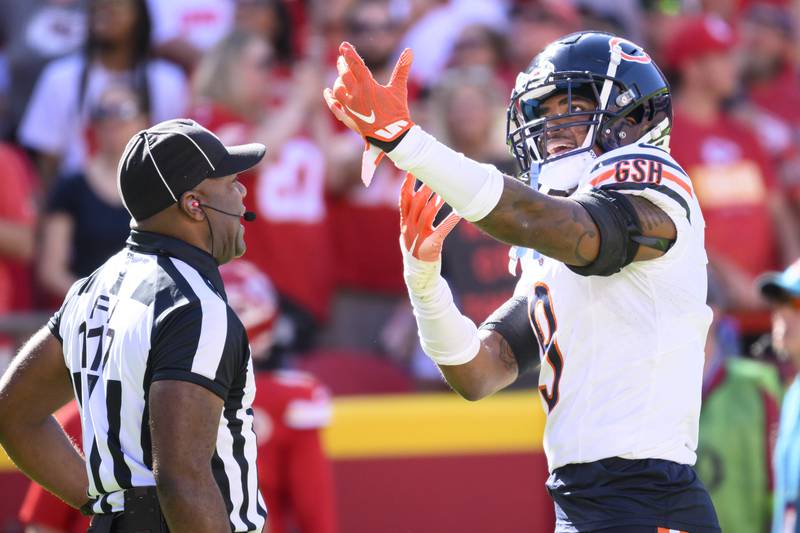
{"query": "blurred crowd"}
pixel 79 77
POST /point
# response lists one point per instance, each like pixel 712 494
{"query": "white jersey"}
pixel 622 355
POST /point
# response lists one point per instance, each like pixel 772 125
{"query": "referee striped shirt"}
pixel 157 310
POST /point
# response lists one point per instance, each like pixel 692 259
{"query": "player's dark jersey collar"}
pixel 157 243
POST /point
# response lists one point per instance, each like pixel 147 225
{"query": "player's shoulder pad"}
pixel 638 167
pixel 640 164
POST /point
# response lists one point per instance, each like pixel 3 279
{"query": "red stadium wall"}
pixel 466 494
pixel 429 463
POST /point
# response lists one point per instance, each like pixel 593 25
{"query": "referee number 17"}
pixel 95 336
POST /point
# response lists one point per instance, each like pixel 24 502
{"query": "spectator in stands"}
pixel 769 70
pixel 782 290
pixel 85 221
pixel 479 46
pixel 534 25
pixel 467 108
pixel 184 29
pixel 291 409
pixel 738 424
pixel 117 51
pixel 273 20
pixel 728 10
pixel 17 220
pixel 733 178
pixel 232 90
pixel 612 16
pixel 280 22
pixel 772 86
pixel 436 28
pixel 33 33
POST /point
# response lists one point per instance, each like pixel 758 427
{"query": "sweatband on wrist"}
pixel 387 146
pixel 471 188
pixel 446 336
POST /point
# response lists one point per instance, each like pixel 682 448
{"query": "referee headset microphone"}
pixel 249 216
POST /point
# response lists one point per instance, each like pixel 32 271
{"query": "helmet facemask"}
pixel 615 121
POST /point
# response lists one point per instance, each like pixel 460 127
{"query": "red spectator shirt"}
pixel 290 239
pixel 16 206
pixel 367 222
pixel 42 508
pixel 293 472
pixel 780 96
pixel 777 124
pixel 732 179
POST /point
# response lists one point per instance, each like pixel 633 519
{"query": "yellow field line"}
pixel 439 424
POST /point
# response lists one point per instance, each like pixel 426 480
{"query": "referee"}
pixel 158 362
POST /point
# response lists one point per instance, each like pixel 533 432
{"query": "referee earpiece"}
pixel 193 208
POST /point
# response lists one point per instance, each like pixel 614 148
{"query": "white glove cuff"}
pixel 447 337
pixel 471 188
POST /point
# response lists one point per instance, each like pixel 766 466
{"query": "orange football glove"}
pixel 374 111
pixel 418 209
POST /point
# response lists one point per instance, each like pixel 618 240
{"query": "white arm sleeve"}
pixel 447 337
pixel 471 188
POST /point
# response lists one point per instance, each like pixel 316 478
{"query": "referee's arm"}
pixel 186 405
pixel 34 386
pixel 184 419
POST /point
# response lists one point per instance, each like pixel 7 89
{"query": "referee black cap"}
pixel 161 163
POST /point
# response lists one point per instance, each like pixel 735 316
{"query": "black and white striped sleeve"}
pixel 54 323
pixel 200 342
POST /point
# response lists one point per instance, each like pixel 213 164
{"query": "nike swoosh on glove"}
pixel 379 113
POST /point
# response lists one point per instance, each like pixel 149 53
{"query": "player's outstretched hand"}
pixel 418 209
pixel 372 110
pixel 364 105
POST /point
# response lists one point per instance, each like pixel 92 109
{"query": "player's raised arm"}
pixel 475 362
pixel 566 229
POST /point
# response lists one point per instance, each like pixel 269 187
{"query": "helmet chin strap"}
pixel 658 135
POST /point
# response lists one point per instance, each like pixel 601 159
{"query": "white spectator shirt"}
pixel 53 122
pixel 622 355
pixel 202 23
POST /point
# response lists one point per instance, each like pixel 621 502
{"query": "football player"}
pixel 613 286
pixel 291 409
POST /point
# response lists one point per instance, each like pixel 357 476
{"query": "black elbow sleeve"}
pixel 511 321
pixel 619 227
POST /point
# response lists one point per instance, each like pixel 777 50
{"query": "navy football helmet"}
pixel 633 102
